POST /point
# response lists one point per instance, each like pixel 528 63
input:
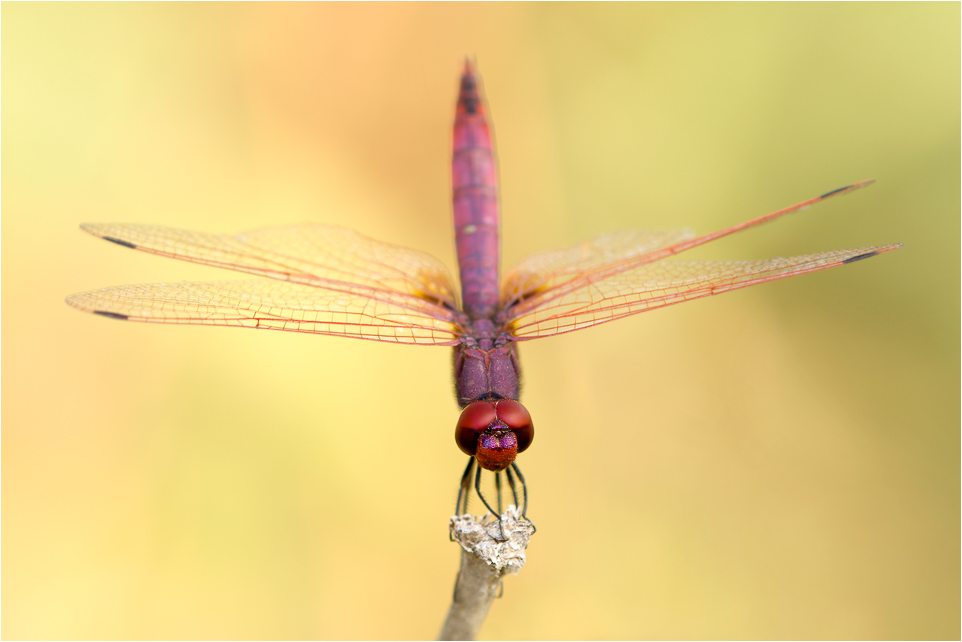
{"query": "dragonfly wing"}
pixel 312 254
pixel 544 277
pixel 279 305
pixel 546 271
pixel 655 285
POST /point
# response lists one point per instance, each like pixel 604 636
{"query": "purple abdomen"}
pixel 475 184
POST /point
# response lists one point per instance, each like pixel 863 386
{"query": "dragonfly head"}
pixel 494 432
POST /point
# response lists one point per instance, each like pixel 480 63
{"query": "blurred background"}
pixel 781 462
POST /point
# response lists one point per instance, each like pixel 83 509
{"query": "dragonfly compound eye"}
pixel 516 417
pixel 474 420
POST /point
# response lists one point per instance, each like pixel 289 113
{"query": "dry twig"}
pixel 487 556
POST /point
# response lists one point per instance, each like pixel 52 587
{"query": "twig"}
pixel 488 555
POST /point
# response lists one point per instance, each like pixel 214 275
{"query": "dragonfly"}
pixel 328 280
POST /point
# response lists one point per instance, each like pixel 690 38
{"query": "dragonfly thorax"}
pixel 482 333
pixel 486 369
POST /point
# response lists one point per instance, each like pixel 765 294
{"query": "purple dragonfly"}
pixel 330 280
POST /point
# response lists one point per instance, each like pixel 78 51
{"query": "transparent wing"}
pixel 324 279
pixel 275 305
pixel 320 255
pixel 540 279
pixel 655 285
pixel 540 272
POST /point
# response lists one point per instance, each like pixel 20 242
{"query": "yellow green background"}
pixel 782 462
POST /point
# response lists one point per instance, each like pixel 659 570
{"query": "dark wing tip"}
pixel 835 191
pixel 112 315
pixel 848 188
pixel 853 259
pixel 119 242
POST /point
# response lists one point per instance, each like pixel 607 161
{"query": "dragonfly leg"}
pixel 463 492
pixel 465 489
pixel 477 487
pixel 524 490
pixel 497 485
pixel 512 486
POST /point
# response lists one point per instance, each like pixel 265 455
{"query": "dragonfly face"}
pixel 494 432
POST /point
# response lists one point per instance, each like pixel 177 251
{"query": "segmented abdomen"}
pixel 475 184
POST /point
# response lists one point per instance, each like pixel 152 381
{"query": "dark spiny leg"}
pixel 497 485
pixel 511 484
pixel 524 488
pixel 465 489
pixel 463 492
pixel 477 487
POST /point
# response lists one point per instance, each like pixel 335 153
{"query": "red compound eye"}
pixel 517 418
pixel 473 421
